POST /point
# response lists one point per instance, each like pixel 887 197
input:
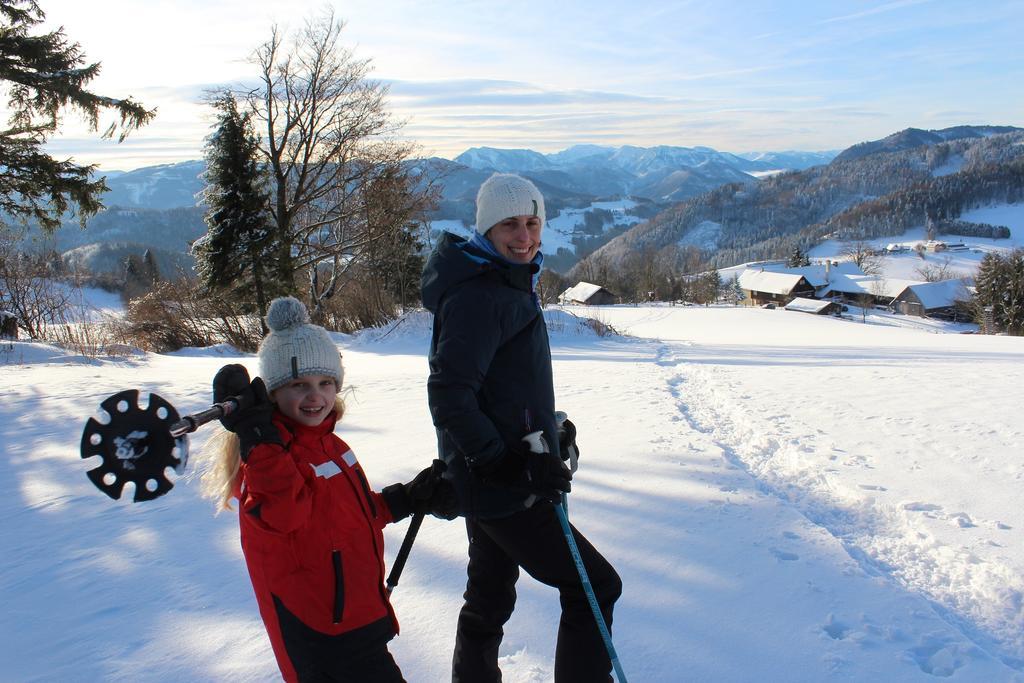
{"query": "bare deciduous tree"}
pixel 864 254
pixel 28 289
pixel 937 272
pixel 331 151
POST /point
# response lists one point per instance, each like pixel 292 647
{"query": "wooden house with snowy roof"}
pixel 857 288
pixel 587 294
pixel 932 299
pixel 767 286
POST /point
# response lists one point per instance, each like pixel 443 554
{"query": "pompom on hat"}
pixel 504 195
pixel 295 347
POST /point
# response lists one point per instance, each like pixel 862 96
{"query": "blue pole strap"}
pixel 563 519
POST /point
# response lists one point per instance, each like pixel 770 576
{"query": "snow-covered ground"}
pixel 787 498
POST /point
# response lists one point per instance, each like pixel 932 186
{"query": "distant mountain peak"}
pixel 909 138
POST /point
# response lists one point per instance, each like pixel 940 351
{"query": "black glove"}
pixel 427 492
pixel 542 474
pixel 251 419
pixel 567 441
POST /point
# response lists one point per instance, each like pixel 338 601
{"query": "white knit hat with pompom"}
pixel 295 347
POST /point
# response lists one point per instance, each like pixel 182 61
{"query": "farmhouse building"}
pixel 932 299
pixel 856 288
pixel 817 277
pixel 587 294
pixel 766 286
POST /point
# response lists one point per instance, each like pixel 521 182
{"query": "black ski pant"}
pixel 532 539
pixel 358 656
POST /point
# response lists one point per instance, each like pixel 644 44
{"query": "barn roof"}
pixel 769 281
pixel 582 291
pixel 815 274
pixel 869 284
pixel 807 305
pixel 938 294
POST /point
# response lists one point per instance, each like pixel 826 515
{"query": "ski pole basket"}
pixel 137 445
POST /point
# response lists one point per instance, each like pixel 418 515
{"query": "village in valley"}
pixel 833 284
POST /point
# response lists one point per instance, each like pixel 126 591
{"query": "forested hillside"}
pixel 868 196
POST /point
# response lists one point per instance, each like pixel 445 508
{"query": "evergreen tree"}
pixel 709 286
pixel 237 254
pixel 999 286
pixel 1013 308
pixel 139 277
pixel 150 269
pixel 798 259
pixel 43 75
pixel 735 292
pixel 403 265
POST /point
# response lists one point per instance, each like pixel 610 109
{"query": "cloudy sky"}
pixel 737 76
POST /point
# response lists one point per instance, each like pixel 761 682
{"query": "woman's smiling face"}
pixel 517 238
pixel 307 400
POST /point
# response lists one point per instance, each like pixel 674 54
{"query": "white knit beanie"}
pixel 504 195
pixel 296 348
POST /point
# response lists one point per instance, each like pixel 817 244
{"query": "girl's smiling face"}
pixel 307 400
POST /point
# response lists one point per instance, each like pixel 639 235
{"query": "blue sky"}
pixel 738 76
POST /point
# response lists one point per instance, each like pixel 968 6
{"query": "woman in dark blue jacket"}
pixel 490 384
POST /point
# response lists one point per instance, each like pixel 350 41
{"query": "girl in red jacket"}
pixel 311 526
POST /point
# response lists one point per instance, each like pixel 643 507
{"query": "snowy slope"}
pixel 786 497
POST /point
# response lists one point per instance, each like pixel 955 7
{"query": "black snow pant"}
pixel 532 539
pixel 359 656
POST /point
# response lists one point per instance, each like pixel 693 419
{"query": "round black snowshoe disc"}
pixel 136 446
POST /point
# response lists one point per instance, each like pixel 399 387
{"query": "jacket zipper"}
pixel 366 492
pixel 373 534
pixel 339 586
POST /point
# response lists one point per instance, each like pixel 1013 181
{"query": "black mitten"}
pixel 251 420
pixel 549 476
pixel 230 382
pixel 542 474
pixel 427 492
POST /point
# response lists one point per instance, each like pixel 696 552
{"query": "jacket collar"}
pixel 296 431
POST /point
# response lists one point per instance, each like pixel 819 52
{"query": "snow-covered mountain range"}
pixel 662 173
pixel 584 186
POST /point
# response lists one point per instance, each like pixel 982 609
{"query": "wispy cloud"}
pixel 482 93
pixel 734 76
pixel 878 9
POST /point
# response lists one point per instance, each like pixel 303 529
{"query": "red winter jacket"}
pixel 311 531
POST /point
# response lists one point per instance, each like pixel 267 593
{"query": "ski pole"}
pixel 191 423
pixel 403 552
pixel 436 469
pixel 563 519
pixel 537 444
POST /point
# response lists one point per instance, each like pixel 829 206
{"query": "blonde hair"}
pixel 222 456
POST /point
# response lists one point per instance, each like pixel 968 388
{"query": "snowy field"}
pixel 787 498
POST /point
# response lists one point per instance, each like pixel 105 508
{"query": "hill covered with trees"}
pixel 871 195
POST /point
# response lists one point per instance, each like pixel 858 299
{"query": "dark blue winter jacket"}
pixel 490 368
